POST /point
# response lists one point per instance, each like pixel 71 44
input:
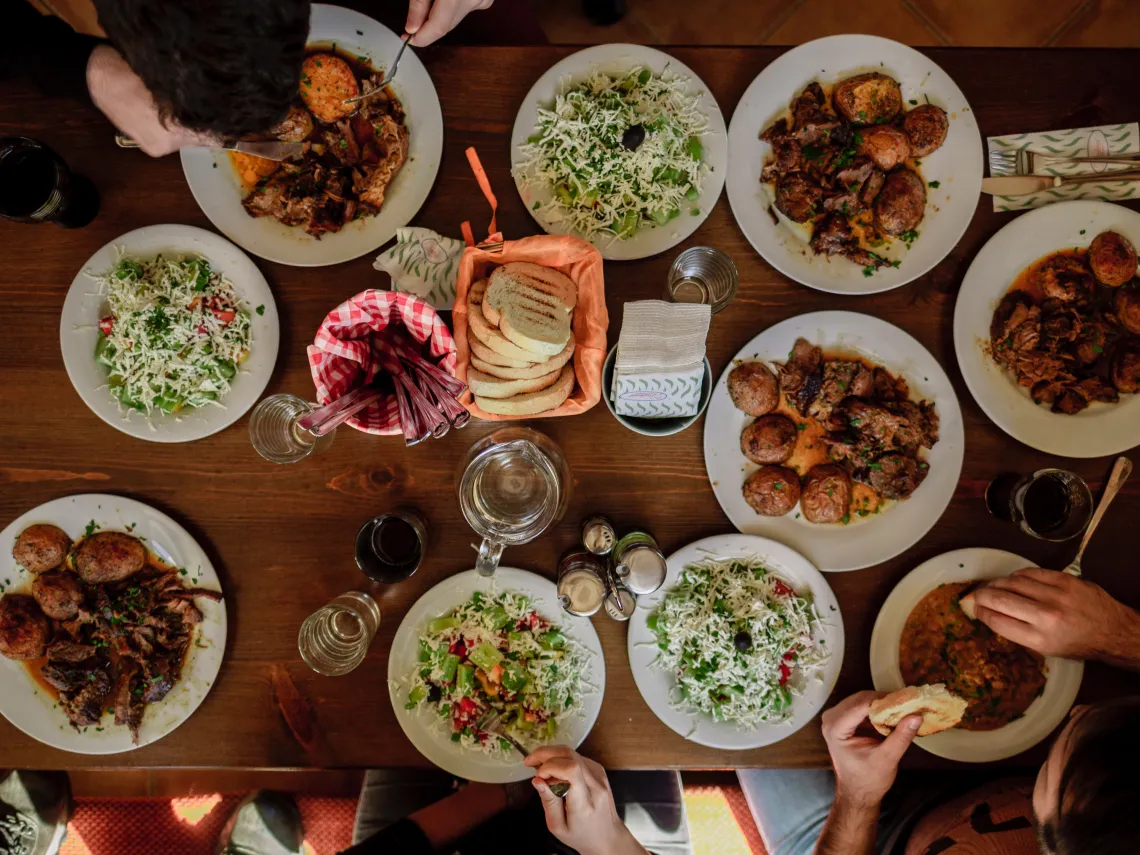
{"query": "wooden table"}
pixel 281 536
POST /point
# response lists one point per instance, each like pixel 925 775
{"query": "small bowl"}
pixel 654 427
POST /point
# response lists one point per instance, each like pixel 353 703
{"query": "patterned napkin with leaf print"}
pixel 1076 142
pixel 423 263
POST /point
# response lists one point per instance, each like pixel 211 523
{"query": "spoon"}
pixel 389 75
pixel 1120 472
pixel 324 420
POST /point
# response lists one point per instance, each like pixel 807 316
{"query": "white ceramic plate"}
pixel 864 541
pixel 84 306
pixel 1097 431
pixel 27 706
pixel 1063 676
pixel 957 165
pixel 403 659
pixel 656 684
pixel 617 59
pixel 218 190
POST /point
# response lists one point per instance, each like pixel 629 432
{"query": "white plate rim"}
pixel 761 101
pixel 78 332
pixel 613 58
pixel 215 187
pixel 852 547
pixel 654 683
pixel 454 590
pixel 1063 679
pixel 1100 430
pixel 33 712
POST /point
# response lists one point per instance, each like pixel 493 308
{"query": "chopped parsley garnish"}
pixel 260 309
pixel 933 185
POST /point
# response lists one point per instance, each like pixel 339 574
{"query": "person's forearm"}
pixel 460 813
pixel 1122 646
pixel 850 829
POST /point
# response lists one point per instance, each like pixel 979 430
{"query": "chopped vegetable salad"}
pixel 740 641
pixel 618 153
pixel 496 653
pixel 175 334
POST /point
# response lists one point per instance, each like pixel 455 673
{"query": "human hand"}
pixel 586 819
pixel 124 99
pixel 865 766
pixel 1060 615
pixel 428 22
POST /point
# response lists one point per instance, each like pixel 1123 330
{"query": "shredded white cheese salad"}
pixel 496 654
pixel 740 641
pixel 175 334
pixel 617 153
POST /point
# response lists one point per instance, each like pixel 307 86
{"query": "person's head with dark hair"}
pixel 223 67
pixel 1087 797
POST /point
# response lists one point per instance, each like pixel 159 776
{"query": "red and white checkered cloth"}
pixel 359 335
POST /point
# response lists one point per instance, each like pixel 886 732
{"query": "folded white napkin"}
pixel 659 367
pixel 424 263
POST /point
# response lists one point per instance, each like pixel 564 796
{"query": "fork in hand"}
pixel 491 724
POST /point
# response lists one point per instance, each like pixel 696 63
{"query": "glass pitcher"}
pixel 513 484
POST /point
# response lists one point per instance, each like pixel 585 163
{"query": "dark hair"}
pixel 1099 803
pixel 230 67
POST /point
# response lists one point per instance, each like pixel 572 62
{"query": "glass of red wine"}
pixel 36 186
pixel 390 547
pixel 1050 504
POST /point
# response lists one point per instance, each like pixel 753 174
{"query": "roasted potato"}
pixel 1112 259
pixel 24 629
pixel 772 491
pixel 326 81
pixel 1126 307
pixel 886 146
pixel 901 203
pixel 109 556
pixel 41 547
pixel 925 127
pixel 868 99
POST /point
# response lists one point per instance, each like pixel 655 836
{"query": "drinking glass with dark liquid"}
pixel 1050 504
pixel 36 186
pixel 390 547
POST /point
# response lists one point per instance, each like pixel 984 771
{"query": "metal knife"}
pixel 270 149
pixel 1022 185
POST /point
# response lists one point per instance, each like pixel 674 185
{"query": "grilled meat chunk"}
pixel 901 203
pixel 59 594
pixel 826 494
pixel 24 629
pixel 894 476
pixel 800 376
pixel 798 197
pixel 1112 259
pixel 85 707
pixel 769 439
pixel 1065 279
pixel 925 126
pixel 868 99
pixel 772 491
pixel 70 651
pixel 295 127
pixel 752 387
pixel 840 380
pixel 41 547
pixel 109 556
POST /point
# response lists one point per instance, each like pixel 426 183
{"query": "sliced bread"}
pixel 541 331
pixel 488 356
pixel 531 403
pixel 489 386
pixel 538 370
pixel 940 709
pixel 494 340
pixel 531 285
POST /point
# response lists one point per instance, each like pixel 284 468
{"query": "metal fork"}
pixel 1120 472
pixel 389 75
pixel 1023 161
pixel 491 724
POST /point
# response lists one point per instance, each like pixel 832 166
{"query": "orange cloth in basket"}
pixel 576 258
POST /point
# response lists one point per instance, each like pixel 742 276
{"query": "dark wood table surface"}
pixel 281 536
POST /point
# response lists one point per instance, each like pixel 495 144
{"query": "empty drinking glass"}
pixel 335 639
pixel 703 274
pixel 274 432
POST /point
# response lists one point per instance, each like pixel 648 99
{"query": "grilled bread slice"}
pixel 532 403
pixel 489 386
pixel 536 370
pixel 489 357
pixel 530 285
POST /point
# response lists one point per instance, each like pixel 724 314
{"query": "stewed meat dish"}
pixel 1069 327
pixel 351 151
pixel 848 166
pixel 845 432
pixel 939 644
pixel 112 637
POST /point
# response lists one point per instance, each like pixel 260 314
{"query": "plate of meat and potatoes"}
pixel 1047 329
pixel 112 624
pixel 367 167
pixel 837 434
pixel 855 164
